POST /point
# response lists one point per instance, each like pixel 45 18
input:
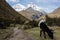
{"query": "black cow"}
pixel 45 30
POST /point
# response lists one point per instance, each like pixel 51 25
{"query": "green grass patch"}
pixel 35 33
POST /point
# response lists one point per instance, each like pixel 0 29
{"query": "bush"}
pixel 4 23
pixel 33 23
pixel 19 20
pixel 53 21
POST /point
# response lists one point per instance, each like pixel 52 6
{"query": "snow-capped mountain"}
pixel 34 6
pixel 32 12
pixel 19 7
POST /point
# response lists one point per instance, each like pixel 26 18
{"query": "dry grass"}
pixel 35 33
pixel 4 33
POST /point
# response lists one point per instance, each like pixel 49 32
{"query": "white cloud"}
pixel 18 7
pixel 12 0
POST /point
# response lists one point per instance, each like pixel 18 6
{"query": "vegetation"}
pixel 30 24
pixel 35 33
pixel 4 33
pixel 53 21
pixel 7 16
pixel 4 23
pixel 33 23
pixel 19 20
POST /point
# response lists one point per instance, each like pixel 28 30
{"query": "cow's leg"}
pixel 40 33
pixel 44 34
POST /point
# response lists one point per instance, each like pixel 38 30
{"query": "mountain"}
pixel 52 18
pixel 8 13
pixel 19 7
pixel 32 12
pixel 55 13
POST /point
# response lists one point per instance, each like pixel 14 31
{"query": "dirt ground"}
pixel 19 34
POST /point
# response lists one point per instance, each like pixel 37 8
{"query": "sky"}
pixel 46 5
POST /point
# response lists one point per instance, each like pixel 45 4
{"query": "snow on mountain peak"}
pixel 19 7
pixel 34 6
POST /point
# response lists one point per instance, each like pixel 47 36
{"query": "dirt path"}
pixel 19 35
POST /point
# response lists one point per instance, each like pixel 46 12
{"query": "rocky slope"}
pixel 8 13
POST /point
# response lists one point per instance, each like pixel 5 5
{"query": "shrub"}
pixel 33 23
pixel 4 23
pixel 53 21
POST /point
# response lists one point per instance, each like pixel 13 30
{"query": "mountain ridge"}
pixel 30 13
pixel 8 13
pixel 54 14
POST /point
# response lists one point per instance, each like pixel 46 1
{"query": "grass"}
pixel 35 33
pixel 5 33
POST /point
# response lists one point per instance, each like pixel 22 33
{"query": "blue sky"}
pixel 46 5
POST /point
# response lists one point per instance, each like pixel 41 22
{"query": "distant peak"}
pixel 58 8
pixel 31 4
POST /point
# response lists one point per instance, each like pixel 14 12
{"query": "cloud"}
pixel 13 0
pixel 47 5
pixel 18 7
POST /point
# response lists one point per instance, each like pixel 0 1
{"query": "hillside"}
pixel 55 13
pixel 31 14
pixel 52 18
pixel 8 13
pixel 6 10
